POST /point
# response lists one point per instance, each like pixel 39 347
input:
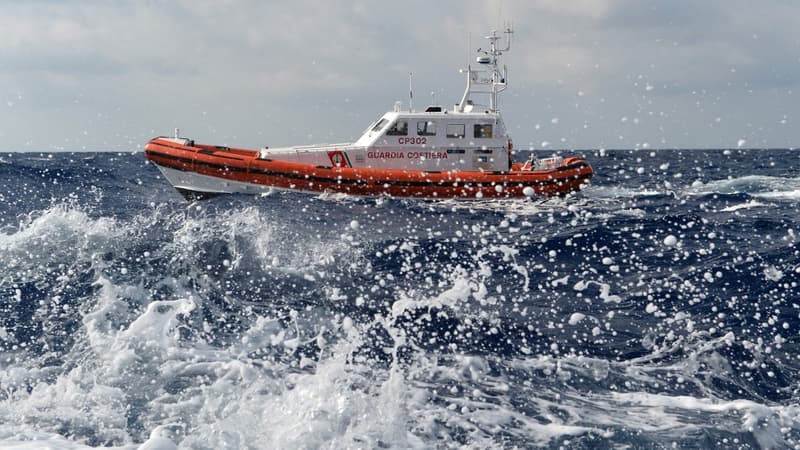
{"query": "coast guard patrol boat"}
pixel 458 152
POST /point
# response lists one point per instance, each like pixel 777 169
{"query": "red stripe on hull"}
pixel 244 166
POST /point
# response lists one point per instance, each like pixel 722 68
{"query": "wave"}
pixel 620 316
pixel 759 186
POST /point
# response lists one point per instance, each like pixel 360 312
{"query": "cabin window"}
pixel 381 123
pixel 483 131
pixel 426 128
pixel 455 130
pixel 400 128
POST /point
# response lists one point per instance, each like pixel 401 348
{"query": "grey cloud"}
pixel 288 73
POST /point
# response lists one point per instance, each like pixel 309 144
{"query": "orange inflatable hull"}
pixel 242 166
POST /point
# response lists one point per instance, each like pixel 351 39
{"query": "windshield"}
pixel 378 126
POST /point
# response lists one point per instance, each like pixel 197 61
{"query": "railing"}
pixel 342 146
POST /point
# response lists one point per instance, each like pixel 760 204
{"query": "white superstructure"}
pixel 471 136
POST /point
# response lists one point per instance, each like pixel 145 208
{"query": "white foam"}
pixel 40 441
pixel 761 186
pixel 669 417
pixel 605 290
pixel 793 194
pixel 459 292
pixel 676 413
pixel 772 273
pixel 61 234
pixel 617 192
pixel 747 205
pixel 132 363
pixel 576 318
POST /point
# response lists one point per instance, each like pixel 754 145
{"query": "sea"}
pixel 657 308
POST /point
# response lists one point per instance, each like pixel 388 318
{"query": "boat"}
pixel 460 152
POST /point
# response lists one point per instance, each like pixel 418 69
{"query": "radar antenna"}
pixel 490 81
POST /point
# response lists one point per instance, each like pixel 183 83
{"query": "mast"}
pixel 490 81
pixel 410 93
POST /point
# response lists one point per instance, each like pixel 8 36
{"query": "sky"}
pixel 583 74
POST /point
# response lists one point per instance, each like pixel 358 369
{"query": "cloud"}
pixel 288 70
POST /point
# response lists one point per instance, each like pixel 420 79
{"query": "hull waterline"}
pixel 208 170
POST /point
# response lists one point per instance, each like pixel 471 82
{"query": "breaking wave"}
pixel 647 311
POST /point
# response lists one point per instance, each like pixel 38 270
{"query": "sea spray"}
pixel 133 317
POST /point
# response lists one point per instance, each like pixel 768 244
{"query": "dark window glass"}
pixel 400 128
pixel 426 128
pixel 379 125
pixel 455 130
pixel 483 131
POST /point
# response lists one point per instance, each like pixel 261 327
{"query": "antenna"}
pixel 489 80
pixel 499 13
pixel 410 92
pixel 469 46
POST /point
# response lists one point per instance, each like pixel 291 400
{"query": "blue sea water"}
pixel 658 308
